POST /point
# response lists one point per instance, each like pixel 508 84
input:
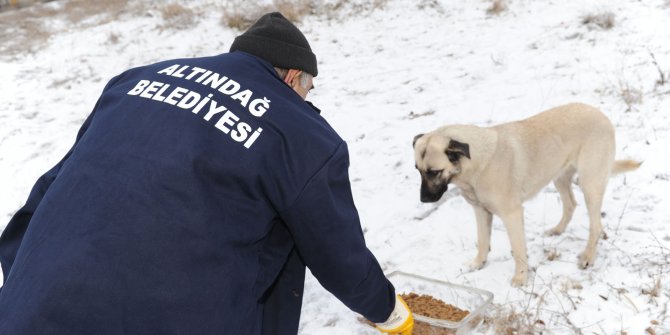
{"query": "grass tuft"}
pixel 603 20
pixel 497 7
pixel 177 16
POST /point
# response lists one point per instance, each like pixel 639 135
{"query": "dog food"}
pixel 427 305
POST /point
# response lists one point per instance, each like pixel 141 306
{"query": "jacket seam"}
pixel 309 180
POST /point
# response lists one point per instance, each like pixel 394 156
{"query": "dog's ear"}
pixel 416 138
pixel 457 149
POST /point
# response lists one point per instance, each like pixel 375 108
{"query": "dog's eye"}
pixel 433 173
pixel 452 156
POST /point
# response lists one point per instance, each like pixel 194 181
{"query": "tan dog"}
pixel 500 167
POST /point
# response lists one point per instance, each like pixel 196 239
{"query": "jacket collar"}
pixel 309 103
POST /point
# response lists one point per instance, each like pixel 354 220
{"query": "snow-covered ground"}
pixel 399 69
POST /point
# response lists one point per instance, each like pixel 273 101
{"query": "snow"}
pixel 388 74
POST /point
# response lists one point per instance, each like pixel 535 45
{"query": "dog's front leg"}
pixel 513 221
pixel 484 219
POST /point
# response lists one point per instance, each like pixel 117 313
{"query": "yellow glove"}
pixel 400 322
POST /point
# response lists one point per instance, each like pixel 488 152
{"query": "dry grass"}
pixel 176 16
pixel 653 290
pixel 23 30
pixel 662 77
pixel 630 95
pixel 14 4
pixel 497 7
pixel 506 319
pixel 511 322
pixel 78 11
pixel 429 4
pixel 241 14
pixel 113 38
pixel 295 10
pixel 552 254
pixel 603 20
pixel 344 8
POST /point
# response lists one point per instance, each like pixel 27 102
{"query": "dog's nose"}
pixel 429 197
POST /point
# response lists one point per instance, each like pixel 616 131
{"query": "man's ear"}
pixel 291 75
pixel 416 138
pixel 457 149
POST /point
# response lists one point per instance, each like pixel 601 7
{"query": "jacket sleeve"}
pixel 11 237
pixel 325 226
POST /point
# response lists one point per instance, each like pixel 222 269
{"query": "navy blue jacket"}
pixel 195 194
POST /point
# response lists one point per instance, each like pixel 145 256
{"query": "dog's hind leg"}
pixel 594 172
pixel 564 188
pixel 484 220
pixel 593 196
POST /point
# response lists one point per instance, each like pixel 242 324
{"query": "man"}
pixel 193 198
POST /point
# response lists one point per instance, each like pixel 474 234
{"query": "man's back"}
pixel 160 219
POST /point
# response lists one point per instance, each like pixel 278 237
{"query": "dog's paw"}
pixel 520 279
pixel 554 232
pixel 585 260
pixel 476 264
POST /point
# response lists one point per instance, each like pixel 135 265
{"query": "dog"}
pixel 499 168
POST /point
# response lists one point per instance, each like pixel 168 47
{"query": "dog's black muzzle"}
pixel 432 195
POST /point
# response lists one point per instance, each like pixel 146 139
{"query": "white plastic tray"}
pixel 475 301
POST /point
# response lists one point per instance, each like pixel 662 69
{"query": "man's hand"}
pixel 400 321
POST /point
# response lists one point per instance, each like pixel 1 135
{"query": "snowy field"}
pixel 388 71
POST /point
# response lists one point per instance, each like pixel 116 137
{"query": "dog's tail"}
pixel 625 166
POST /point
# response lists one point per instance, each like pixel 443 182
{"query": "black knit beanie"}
pixel 276 40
